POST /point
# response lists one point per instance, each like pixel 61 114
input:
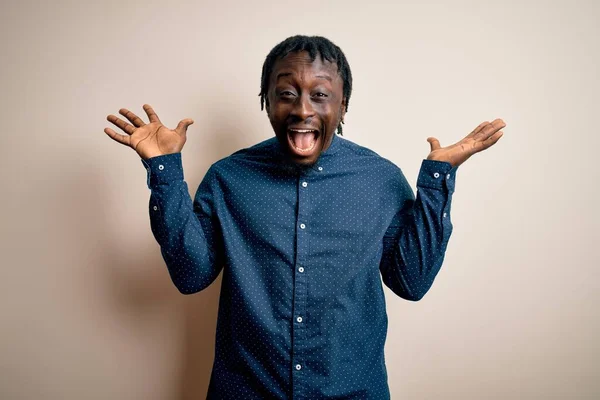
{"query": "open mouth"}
pixel 302 141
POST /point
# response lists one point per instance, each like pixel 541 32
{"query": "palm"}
pixel 482 137
pixel 153 138
pixel 148 140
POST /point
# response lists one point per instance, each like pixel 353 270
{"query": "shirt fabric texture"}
pixel 304 252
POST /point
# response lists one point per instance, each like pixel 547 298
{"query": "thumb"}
pixel 435 144
pixel 183 125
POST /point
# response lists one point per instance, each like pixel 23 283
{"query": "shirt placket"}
pixel 300 288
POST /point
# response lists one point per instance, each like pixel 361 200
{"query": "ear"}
pixel 343 111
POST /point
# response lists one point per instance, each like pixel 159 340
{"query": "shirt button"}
pixel 444 215
pixel 448 176
pixel 155 208
pixel 436 175
pixel 161 167
pixel 298 366
pixel 299 319
pixel 320 168
pixel 301 269
pixel 302 226
pixel 304 184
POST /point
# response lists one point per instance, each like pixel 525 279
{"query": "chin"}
pixel 300 167
pixel 306 162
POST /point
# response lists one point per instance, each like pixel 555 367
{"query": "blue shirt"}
pixel 304 253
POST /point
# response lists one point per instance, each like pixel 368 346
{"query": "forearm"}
pixel 186 239
pixel 415 247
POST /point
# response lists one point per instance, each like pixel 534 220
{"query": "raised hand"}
pixel 484 136
pixel 148 140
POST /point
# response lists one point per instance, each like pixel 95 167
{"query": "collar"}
pixel 333 147
pixel 286 163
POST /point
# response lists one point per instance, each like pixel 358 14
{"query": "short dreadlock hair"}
pixel 313 45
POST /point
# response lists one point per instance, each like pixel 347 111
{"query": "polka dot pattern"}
pixel 304 252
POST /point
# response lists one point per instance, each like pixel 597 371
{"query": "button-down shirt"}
pixel 304 253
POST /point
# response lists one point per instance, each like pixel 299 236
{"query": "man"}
pixel 305 225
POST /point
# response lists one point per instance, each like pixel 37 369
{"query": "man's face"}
pixel 305 105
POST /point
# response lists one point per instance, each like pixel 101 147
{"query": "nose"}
pixel 303 108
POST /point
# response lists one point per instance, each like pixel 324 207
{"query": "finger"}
pixel 435 144
pixel 490 141
pixel 478 129
pixel 183 125
pixel 128 128
pixel 493 139
pixel 151 114
pixel 134 119
pixel 117 137
pixel 498 122
pixel 490 130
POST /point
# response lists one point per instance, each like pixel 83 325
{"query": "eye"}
pixel 286 93
pixel 319 94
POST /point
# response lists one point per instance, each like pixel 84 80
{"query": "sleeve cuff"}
pixel 163 170
pixel 437 175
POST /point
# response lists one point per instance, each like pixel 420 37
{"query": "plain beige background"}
pixel 88 310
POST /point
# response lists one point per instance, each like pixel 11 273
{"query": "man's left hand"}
pixel 484 136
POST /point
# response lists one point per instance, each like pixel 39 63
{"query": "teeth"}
pixel 302 130
pixel 304 150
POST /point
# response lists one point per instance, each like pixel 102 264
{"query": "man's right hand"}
pixel 148 140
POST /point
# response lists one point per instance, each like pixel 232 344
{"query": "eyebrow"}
pixel 282 74
pixel 325 77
